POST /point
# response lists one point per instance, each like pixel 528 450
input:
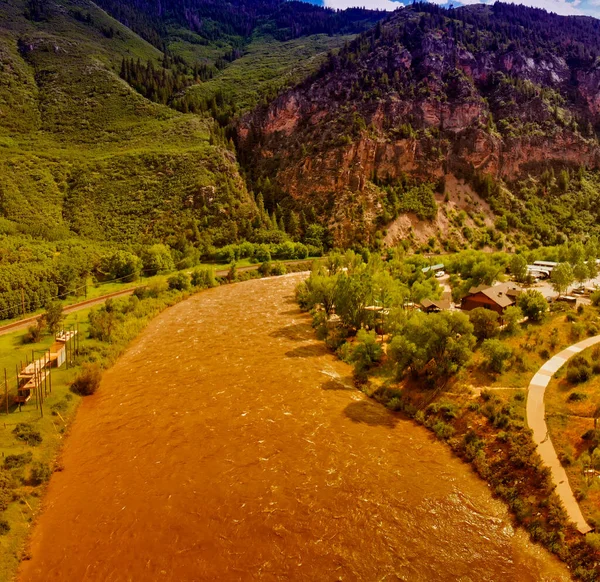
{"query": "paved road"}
pixel 536 419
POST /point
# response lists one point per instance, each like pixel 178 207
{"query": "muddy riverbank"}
pixel 227 444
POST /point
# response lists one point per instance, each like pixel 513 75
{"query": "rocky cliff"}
pixel 499 90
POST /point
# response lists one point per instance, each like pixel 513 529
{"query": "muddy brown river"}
pixel 227 444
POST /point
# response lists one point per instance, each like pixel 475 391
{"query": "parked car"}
pixel 440 274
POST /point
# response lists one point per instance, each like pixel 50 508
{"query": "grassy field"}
pixel 532 345
pixel 59 410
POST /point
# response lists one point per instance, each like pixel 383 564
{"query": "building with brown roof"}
pixel 497 298
pixel 435 305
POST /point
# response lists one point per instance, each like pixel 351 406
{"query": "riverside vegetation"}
pixel 460 374
pixel 31 445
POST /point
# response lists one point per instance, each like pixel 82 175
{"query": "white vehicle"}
pixel 440 274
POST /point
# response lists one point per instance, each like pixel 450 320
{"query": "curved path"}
pixel 228 444
pixel 536 419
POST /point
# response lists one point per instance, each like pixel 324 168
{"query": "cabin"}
pixel 436 305
pixel 497 298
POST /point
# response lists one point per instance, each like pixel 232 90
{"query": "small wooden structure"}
pixel 34 379
pixel 437 305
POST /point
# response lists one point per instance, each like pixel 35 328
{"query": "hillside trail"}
pixel 228 444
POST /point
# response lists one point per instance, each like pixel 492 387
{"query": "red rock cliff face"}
pixel 381 109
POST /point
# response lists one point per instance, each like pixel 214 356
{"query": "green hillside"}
pixel 267 66
pixel 88 163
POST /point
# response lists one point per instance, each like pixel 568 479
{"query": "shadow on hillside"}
pixel 370 413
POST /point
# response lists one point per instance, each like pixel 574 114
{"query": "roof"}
pixel 545 263
pixel 442 304
pixel 503 294
pixel 437 267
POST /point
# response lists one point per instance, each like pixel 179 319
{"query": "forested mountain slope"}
pixel 83 152
pixel 503 96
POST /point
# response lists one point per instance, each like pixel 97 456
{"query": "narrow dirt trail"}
pixel 227 444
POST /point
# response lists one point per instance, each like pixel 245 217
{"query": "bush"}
pixel 179 281
pixel 40 473
pixel 102 323
pixel 14 461
pixel 595 298
pixel 88 380
pixel 122 265
pixel 203 278
pixel 53 316
pixel 26 433
pixel 578 370
pixel 366 351
pixel 442 430
pixel 576 397
pixel 35 332
pixel 278 269
pixel 4 527
pixel 532 304
pixel 485 323
pixel 496 354
pixel 157 259
pixel 265 268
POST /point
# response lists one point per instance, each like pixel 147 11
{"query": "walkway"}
pixel 536 419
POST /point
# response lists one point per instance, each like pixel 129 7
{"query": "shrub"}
pixel 102 323
pixel 576 397
pixel 179 281
pixel 278 269
pixel 35 332
pixel 578 370
pixel 595 298
pixel 122 265
pixel 203 278
pixel 265 268
pixel 485 323
pixel 442 430
pixel 53 316
pixel 14 461
pixel 366 351
pixel 157 259
pixel 4 527
pixel 532 304
pixel 496 354
pixel 26 433
pixel 394 404
pixel 88 380
pixel 40 473
pixel 7 484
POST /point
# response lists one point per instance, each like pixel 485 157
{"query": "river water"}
pixel 227 444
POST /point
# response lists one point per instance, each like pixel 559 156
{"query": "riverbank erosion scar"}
pixel 228 444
